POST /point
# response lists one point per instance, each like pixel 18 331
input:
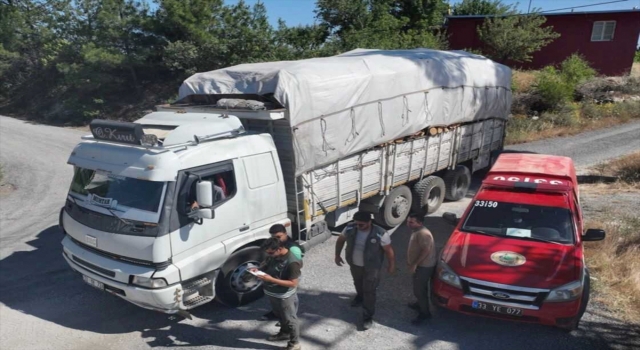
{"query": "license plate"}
pixel 499 309
pixel 93 283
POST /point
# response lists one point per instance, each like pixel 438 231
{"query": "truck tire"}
pixel 395 208
pixel 457 183
pixel 234 286
pixel 429 194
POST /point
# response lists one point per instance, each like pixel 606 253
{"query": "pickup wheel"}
pixel 235 286
pixel 395 208
pixel 429 194
pixel 457 183
pixel 586 290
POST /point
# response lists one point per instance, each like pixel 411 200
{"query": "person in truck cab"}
pixel 218 196
pixel 367 246
pixel 421 258
pixel 281 271
pixel 280 232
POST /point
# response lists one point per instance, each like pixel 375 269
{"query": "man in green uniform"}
pixel 367 246
pixel 280 232
pixel 280 273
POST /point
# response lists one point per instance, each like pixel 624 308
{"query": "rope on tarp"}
pixel 325 145
pixel 405 117
pixel 381 119
pixel 354 133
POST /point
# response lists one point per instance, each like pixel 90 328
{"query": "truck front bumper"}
pixel 550 314
pixel 167 300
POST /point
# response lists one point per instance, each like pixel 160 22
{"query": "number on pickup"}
pixel 505 310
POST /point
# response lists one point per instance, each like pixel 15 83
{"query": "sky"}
pixel 300 12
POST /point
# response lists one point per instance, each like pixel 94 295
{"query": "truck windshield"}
pixel 107 190
pixel 522 221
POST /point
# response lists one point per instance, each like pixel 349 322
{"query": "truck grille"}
pixel 530 298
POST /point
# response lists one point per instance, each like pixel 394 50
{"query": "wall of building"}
pixel 613 57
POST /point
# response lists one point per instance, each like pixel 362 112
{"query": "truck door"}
pixel 265 188
pixel 231 216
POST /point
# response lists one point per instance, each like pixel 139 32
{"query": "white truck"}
pixel 168 212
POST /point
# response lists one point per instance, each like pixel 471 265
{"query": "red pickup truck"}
pixel 517 252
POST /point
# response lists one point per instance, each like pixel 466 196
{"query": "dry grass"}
pixel 615 264
pixel 522 135
pixel 626 169
pixel 635 70
pixel 522 81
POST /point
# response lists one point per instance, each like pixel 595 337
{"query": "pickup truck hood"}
pixel 546 265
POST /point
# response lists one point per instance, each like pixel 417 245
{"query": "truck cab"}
pixel 517 251
pixel 168 212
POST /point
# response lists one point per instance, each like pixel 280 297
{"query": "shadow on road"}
pixel 40 284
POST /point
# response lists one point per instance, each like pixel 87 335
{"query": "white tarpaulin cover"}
pixel 344 104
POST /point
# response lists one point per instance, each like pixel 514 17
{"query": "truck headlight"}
pixel 149 282
pixel 568 292
pixel 446 275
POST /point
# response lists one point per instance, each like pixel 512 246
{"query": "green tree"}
pixel 302 41
pixel 382 24
pixel 482 7
pixel 515 37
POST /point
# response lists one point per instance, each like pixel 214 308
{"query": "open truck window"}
pixel 104 189
pixel 520 221
pixel 224 187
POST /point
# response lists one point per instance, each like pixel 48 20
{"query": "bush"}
pixel 637 57
pixel 553 88
pixel 591 111
pixel 626 110
pixel 576 70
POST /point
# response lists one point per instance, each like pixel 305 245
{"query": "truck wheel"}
pixel 429 193
pixel 234 285
pixel 395 208
pixel 457 183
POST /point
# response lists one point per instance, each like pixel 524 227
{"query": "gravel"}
pixel 44 305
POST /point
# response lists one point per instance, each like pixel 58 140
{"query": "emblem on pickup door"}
pixel 506 258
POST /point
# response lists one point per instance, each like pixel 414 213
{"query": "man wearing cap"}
pixel 367 246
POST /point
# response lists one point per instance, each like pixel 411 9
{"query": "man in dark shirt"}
pixel 280 273
pixel 280 232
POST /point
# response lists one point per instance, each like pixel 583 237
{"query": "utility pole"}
pixel 529 9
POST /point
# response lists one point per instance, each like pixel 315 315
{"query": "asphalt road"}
pixel 44 305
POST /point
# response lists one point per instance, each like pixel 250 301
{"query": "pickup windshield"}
pixel 104 189
pixel 521 221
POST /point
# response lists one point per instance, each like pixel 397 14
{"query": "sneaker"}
pixel 293 347
pixel 268 316
pixel 367 324
pixel 421 319
pixel 278 337
pixel 414 306
pixel 356 302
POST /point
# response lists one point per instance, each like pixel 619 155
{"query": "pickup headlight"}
pixel 446 275
pixel 149 282
pixel 568 292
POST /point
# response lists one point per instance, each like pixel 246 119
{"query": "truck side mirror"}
pixel 451 218
pixel 204 194
pixel 593 235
